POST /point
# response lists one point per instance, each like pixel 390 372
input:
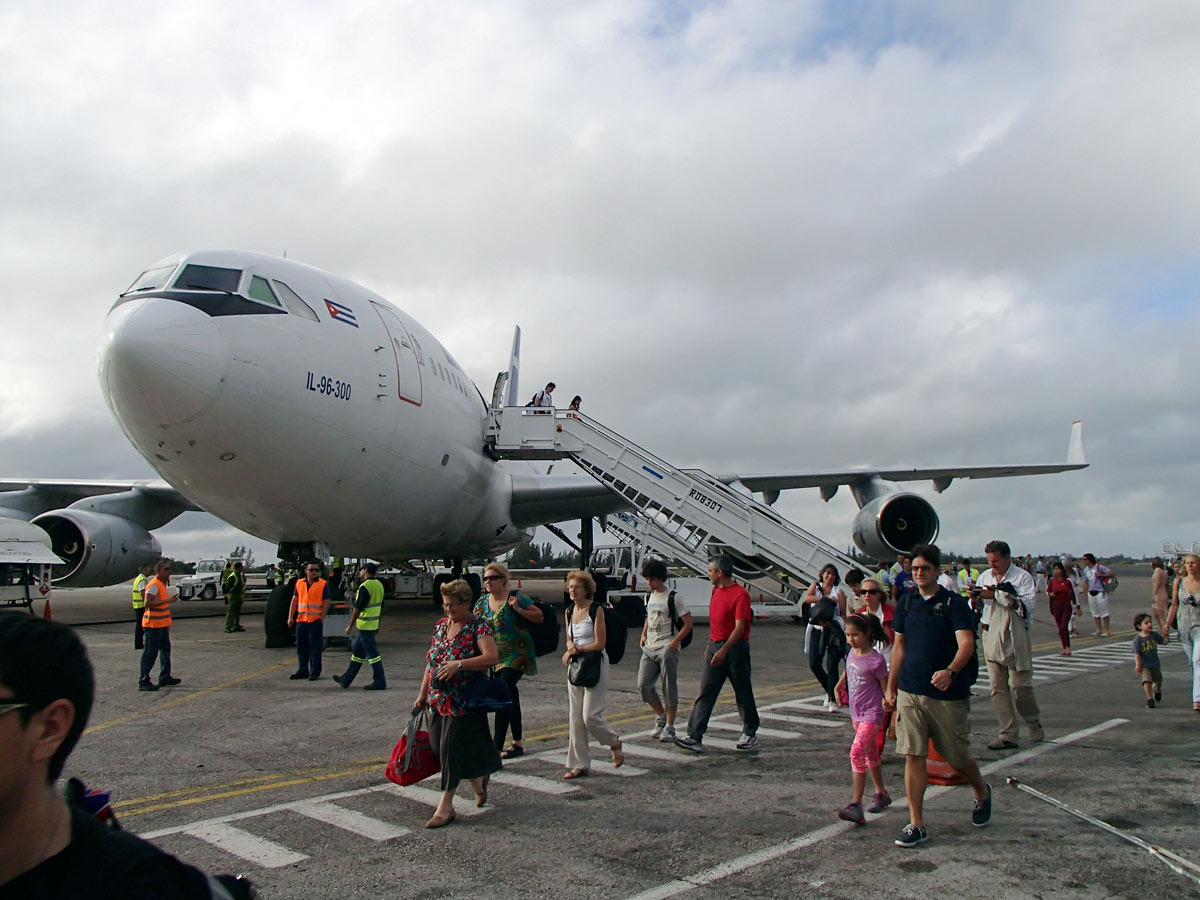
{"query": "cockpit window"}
pixel 294 302
pixel 150 280
pixel 260 290
pixel 209 278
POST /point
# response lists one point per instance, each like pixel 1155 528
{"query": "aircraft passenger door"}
pixel 404 348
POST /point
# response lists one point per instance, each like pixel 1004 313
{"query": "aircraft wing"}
pixel 941 476
pixel 69 491
pixel 537 499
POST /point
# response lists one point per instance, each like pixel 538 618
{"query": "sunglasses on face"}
pixel 493 577
pixel 872 591
pixel 7 706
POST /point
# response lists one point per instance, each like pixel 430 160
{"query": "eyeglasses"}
pixel 8 706
pixel 493 577
pixel 312 570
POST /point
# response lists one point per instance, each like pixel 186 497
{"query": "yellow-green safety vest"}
pixel 138 584
pixel 368 619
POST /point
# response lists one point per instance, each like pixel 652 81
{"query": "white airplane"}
pixel 308 411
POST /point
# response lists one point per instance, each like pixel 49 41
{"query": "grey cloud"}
pixel 749 243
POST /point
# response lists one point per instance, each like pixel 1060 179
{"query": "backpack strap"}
pixel 671 610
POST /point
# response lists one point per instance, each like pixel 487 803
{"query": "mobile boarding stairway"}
pixel 693 513
pixel 643 532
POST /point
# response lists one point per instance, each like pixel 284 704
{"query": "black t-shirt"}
pixel 930 643
pixel 102 863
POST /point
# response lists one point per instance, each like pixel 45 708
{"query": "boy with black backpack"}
pixel 667 629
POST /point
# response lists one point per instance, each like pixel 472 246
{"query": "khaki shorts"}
pixel 920 719
pixel 1151 676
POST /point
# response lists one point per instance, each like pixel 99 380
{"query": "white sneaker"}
pixel 747 742
pixel 659 725
pixel 668 734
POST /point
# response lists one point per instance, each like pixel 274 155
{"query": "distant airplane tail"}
pixel 505 391
pixel 1075 456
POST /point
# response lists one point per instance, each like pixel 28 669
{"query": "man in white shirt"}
pixel 542 398
pixel 1009 599
pixel 949 581
pixel 661 643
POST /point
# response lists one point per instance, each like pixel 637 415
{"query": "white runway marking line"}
pixel 741 863
pixel 349 820
pixel 762 732
pixel 711 742
pixel 429 797
pixel 533 783
pixel 668 752
pixel 799 720
pixel 598 766
pixel 245 845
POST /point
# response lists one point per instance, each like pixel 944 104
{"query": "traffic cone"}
pixel 940 771
pixel 46 611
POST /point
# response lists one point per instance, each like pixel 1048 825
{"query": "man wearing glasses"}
pixel 935 643
pixel 309 607
pixel 50 848
pixel 1009 596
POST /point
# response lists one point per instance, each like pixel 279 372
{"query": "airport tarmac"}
pixel 239 769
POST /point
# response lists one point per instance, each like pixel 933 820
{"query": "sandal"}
pixel 513 752
pixel 576 773
pixel 618 756
pixel 481 795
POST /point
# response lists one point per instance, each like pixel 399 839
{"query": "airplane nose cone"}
pixel 161 362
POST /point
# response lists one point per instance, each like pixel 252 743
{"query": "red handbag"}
pixel 412 758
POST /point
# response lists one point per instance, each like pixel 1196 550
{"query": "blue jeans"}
pixel 310 641
pixel 736 668
pixel 1190 638
pixel 156 643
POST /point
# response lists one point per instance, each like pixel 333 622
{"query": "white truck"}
pixel 205 584
pixel 25 561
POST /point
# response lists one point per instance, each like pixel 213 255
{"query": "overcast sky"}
pixel 752 235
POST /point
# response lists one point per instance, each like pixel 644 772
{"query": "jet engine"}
pixel 99 549
pixel 894 523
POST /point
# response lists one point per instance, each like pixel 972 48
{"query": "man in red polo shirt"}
pixel 727 656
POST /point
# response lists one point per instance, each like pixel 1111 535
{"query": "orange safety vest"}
pixel 159 615
pixel 310 600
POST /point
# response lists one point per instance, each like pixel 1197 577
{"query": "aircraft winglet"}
pixel 1075 455
pixel 514 368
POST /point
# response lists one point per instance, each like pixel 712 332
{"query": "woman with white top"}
pixel 586 633
pixel 1185 610
pixel 1158 592
pixel 825 604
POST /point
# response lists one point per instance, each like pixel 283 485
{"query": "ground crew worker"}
pixel 156 622
pixel 235 592
pixel 967 577
pixel 310 604
pixel 368 604
pixel 139 602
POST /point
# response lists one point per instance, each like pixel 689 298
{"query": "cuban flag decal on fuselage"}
pixel 341 313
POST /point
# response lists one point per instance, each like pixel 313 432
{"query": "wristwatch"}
pixel 951 671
